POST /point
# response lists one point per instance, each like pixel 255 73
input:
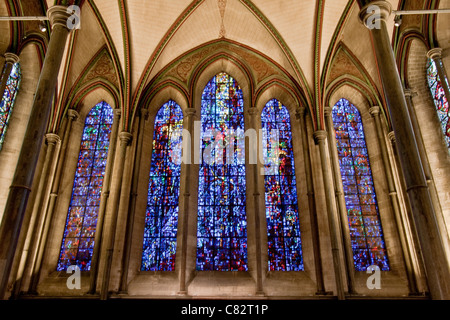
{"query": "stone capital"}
pixel 409 93
pixel 11 58
pixel 328 111
pixel 73 114
pixel 320 135
pixel 435 53
pixel 391 136
pixel 125 137
pixel 52 138
pixel 374 111
pixel 190 112
pixel 117 113
pixel 58 16
pixel 374 12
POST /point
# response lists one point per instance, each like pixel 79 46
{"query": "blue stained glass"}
pixel 283 226
pixel 78 241
pixel 8 99
pixel 222 223
pixel 161 221
pixel 440 100
pixel 362 209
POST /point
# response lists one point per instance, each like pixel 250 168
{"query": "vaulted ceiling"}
pixel 137 39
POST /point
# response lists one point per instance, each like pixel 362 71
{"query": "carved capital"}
pixel 435 53
pixel 72 114
pixel 125 137
pixel 374 111
pixel 320 135
pixel 52 138
pixel 11 58
pixel 391 136
pixel 328 111
pixel 375 12
pixel 58 16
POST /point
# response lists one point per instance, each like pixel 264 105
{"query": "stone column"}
pixel 436 55
pixel 187 168
pixel 125 140
pixel 436 263
pixel 26 165
pixel 103 202
pixel 253 112
pixel 320 137
pixel 123 288
pixel 427 169
pixel 340 199
pixel 41 232
pixel 393 196
pixel 320 286
pixel 10 60
pixel 72 115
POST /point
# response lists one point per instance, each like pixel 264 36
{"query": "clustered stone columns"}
pixel 125 140
pixel 103 202
pixel 123 287
pixel 375 113
pixel 26 165
pixel 320 285
pixel 10 60
pixel 320 137
pixel 434 256
pixel 340 199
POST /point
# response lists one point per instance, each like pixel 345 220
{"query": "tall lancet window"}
pixel 222 223
pixel 283 227
pixel 9 96
pixel 364 221
pixel 161 220
pixel 440 101
pixel 78 240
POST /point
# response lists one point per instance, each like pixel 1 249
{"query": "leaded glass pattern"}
pixel 161 220
pixel 440 100
pixel 78 240
pixel 222 223
pixel 283 226
pixel 366 233
pixel 8 99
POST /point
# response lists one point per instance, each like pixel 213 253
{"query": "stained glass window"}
pixel 78 240
pixel 283 227
pixel 160 235
pixel 222 223
pixel 366 233
pixel 9 96
pixel 440 101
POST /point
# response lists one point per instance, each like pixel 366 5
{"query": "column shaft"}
pixel 125 138
pixel 187 167
pixel 320 286
pixel 257 212
pixel 436 263
pixel 103 202
pixel 393 196
pixel 10 60
pixel 123 288
pixel 340 199
pixel 41 231
pixel 26 165
pixel 320 137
